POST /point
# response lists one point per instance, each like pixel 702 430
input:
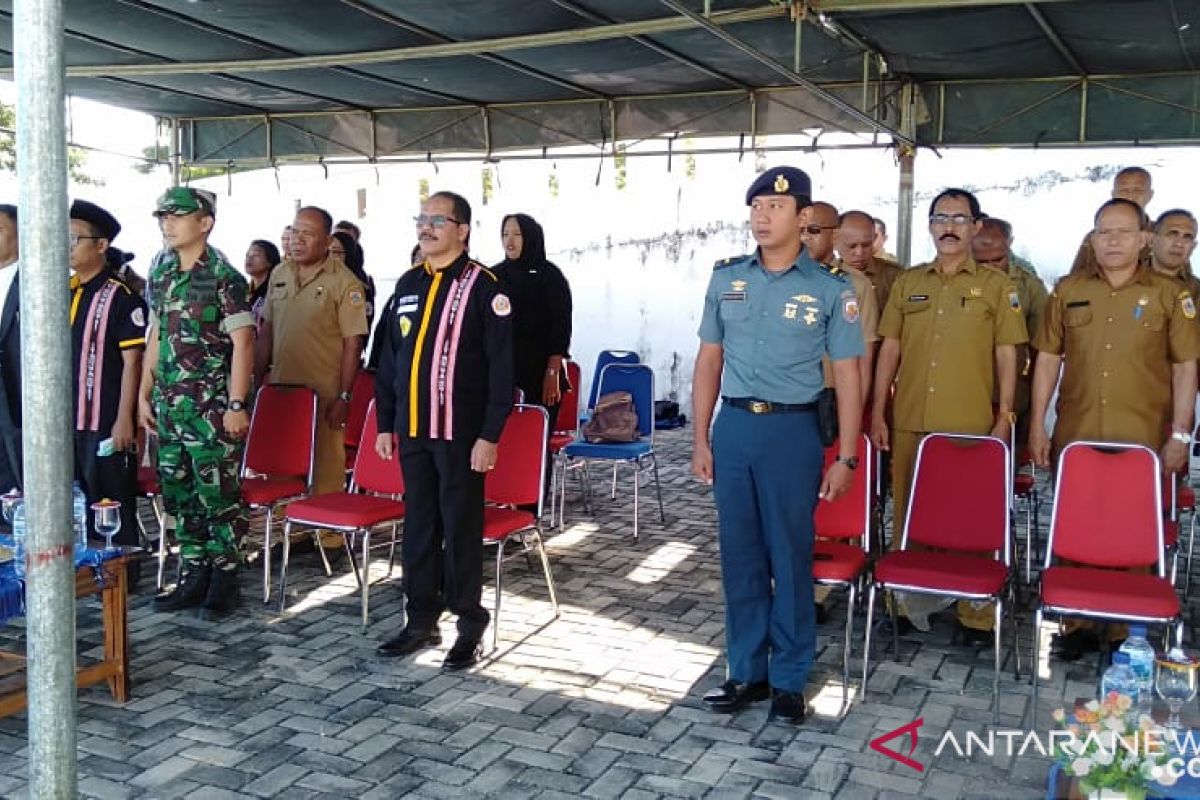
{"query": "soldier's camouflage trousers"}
pixel 198 468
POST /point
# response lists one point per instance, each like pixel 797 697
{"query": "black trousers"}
pixel 442 552
pixel 113 477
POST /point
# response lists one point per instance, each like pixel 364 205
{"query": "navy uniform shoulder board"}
pixel 834 271
pixel 725 262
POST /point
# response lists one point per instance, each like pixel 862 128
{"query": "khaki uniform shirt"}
pixel 309 322
pixel 1033 296
pixel 1118 346
pixel 868 317
pixel 882 274
pixel 948 330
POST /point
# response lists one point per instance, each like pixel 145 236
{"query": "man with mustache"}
pixel 950 331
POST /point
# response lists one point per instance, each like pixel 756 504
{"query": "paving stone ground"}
pixel 602 702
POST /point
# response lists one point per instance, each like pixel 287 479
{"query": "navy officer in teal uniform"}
pixel 768 319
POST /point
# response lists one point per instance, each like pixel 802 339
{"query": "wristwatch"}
pixel 851 462
pixel 1182 437
pixel 344 397
pixel 1011 416
pixel 237 405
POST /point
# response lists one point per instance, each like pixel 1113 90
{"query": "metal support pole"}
pixel 176 160
pixel 906 154
pixel 904 205
pixel 46 435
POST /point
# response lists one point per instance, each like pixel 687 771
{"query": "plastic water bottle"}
pixel 18 531
pixel 79 501
pixel 1141 661
pixel 1120 678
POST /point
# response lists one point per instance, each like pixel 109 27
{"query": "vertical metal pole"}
pixel 906 155
pixel 45 362
pixel 176 160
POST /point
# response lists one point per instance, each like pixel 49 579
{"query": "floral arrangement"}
pixel 1111 749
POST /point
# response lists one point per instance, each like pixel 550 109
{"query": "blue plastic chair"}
pixel 638 380
pixel 605 358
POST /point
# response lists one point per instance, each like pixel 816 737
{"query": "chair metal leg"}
pixel 662 514
pixel 867 637
pixel 283 566
pixel 895 625
pixel 541 546
pixel 1035 666
pixel 1028 537
pixel 266 555
pixel 613 492
pixel 636 496
pixel 1016 638
pixel 851 596
pixel 998 613
pixel 348 544
pixel 163 544
pixel 366 577
pixel 316 534
pixel 499 578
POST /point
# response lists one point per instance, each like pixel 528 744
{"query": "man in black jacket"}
pixel 10 351
pixel 444 387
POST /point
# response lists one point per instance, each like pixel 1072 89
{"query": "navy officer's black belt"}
pixel 767 407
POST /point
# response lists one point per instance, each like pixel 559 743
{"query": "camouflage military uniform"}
pixel 198 463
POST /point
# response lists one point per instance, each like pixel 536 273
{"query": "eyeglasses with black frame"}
pixel 76 239
pixel 435 220
pixel 950 219
pixel 817 230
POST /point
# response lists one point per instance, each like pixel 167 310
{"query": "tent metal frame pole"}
pixel 176 159
pixel 46 402
pixel 799 80
pixel 906 154
pixel 475 47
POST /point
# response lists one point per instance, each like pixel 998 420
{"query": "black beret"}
pixel 782 181
pixel 105 223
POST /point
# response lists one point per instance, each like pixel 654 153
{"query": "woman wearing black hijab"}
pixel 343 247
pixel 541 300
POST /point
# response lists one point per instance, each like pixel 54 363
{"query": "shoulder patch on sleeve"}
pixel 1187 304
pixel 356 297
pixel 1014 299
pixel 850 310
pixel 501 306
pixel 138 317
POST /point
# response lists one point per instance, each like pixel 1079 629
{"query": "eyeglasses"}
pixel 950 219
pixel 815 230
pixel 435 220
pixel 75 240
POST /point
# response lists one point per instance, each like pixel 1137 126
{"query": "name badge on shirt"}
pixel 735 297
pixel 407 308
pixel 917 298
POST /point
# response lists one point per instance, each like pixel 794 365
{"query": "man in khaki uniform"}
pixel 950 331
pixel 991 249
pixel 1172 246
pixel 818 229
pixel 1126 340
pixel 855 243
pixel 1132 184
pixel 314 321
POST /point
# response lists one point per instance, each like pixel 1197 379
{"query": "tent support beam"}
pixel 884 6
pixel 46 398
pixel 1055 39
pixel 848 108
pixel 501 44
pixel 906 154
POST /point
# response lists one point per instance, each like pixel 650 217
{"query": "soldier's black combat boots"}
pixel 191 590
pixel 224 596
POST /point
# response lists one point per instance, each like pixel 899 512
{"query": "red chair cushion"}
pixel 1108 591
pixel 147 481
pixel 1185 498
pixel 264 491
pixel 560 440
pixel 943 572
pixel 837 561
pixel 1022 485
pixel 344 510
pixel 500 523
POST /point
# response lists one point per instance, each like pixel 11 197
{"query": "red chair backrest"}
pixel 1107 511
pixel 849 516
pixel 960 492
pixel 371 473
pixel 568 408
pixel 360 397
pixel 517 478
pixel 280 443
